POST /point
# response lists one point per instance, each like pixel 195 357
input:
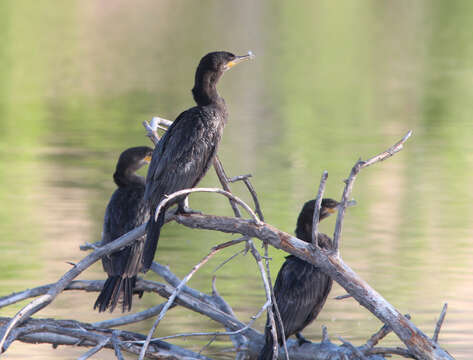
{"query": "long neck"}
pixel 205 90
pixel 127 178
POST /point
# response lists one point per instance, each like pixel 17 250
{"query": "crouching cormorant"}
pixel 300 288
pixel 187 149
pixel 125 211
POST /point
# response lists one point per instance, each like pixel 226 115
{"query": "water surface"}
pixel 332 82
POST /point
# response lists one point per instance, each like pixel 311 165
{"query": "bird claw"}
pixel 301 340
pixel 185 210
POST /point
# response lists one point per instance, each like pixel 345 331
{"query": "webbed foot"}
pixel 185 210
pixel 301 339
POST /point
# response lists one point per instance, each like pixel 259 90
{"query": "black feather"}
pixel 186 151
pixel 125 211
pixel 153 229
pixel 301 288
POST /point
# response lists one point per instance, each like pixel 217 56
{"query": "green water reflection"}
pixel 332 81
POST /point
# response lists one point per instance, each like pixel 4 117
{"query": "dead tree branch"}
pixel 99 335
pixel 318 201
pixel 435 338
pixel 70 332
pixel 360 164
pixel 61 284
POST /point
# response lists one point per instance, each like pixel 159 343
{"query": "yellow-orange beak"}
pixel 238 60
pixel 147 159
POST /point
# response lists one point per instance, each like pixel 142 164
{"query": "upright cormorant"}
pixel 187 149
pixel 300 288
pixel 125 211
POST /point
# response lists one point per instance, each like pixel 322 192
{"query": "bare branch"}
pixel 94 350
pixel 376 337
pixel 176 292
pixel 229 195
pixel 61 284
pixel 394 351
pixel 353 348
pixel 438 326
pixel 216 333
pixel 163 122
pixel 417 342
pixel 269 298
pixel 252 191
pixel 132 318
pixel 222 177
pixel 116 346
pixel 351 179
pixel 152 130
pixel 318 201
pixel 325 337
pixel 223 263
pixel 342 297
pixel 70 332
pixel 239 178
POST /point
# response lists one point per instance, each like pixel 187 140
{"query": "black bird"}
pixel 125 211
pixel 187 149
pixel 300 288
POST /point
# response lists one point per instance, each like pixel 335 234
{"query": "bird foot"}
pixel 185 210
pixel 301 340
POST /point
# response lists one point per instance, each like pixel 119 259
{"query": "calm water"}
pixel 331 82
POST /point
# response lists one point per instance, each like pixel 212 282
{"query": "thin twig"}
pixel 376 337
pixel 275 305
pixel 94 350
pixel 318 201
pixel 173 280
pixel 351 179
pixel 438 326
pixel 162 121
pixel 222 177
pixel 208 344
pixel 223 263
pixel 216 333
pixel 325 338
pixel 270 299
pixel 239 178
pixel 152 130
pixel 341 297
pixel 91 246
pixel 252 191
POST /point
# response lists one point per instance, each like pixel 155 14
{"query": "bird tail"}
pixel 266 352
pixel 115 286
pixel 153 229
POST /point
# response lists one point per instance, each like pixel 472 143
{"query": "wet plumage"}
pixel 300 288
pixel 187 149
pixel 125 211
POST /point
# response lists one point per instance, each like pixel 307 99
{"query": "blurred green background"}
pixel 331 82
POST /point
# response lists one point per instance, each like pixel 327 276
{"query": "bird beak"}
pixel 335 209
pixel 238 60
pixel 147 159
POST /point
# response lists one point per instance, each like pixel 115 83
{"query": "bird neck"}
pixel 205 89
pixel 127 178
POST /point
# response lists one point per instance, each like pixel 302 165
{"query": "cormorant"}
pixel 125 211
pixel 187 149
pixel 301 288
